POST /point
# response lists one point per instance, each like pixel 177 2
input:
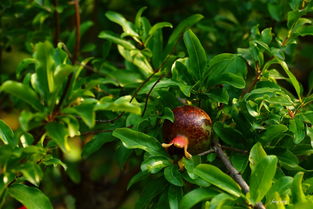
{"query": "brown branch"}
pixel 56 35
pixel 224 148
pixel 234 173
pixel 149 93
pixel 77 31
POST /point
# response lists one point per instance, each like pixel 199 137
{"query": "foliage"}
pixel 90 110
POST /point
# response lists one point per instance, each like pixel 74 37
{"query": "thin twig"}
pixel 224 148
pixel 56 23
pixel 206 152
pixel 77 31
pixel 232 170
pixel 149 93
pixel 234 149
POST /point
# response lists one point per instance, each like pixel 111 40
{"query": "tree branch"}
pixel 77 31
pixel 232 170
pixel 149 93
pixel 56 35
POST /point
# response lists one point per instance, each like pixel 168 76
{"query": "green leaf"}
pixel 228 135
pixel 261 178
pixel 297 191
pixel 136 178
pixel 121 104
pixel 197 55
pixel 119 19
pixel 228 69
pixel 137 58
pixel 219 200
pixel 138 18
pixel 45 67
pixel 154 164
pixel 180 29
pixel 297 127
pixel 116 39
pixel 266 35
pixel 195 196
pixel 136 140
pixel 274 132
pixel 215 176
pixel 30 197
pixel 22 92
pixel 96 143
pixel 281 186
pixel 166 83
pixel 6 134
pixel 174 196
pixel 87 113
pixel 32 172
pixel 151 190
pixel 292 78
pixel 257 153
pixel 58 132
pixel 155 28
pixel 173 176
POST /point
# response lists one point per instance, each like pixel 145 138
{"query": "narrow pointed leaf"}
pixel 136 140
pixel 30 197
pixel 22 92
pixel 197 55
pixel 215 176
pixel 261 178
pixel 195 196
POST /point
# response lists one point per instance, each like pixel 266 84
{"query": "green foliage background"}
pixel 86 86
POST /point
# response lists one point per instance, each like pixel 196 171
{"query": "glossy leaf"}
pixel 281 186
pixel 58 133
pixel 115 39
pixel 154 164
pixel 32 172
pixel 257 153
pixel 274 132
pixel 219 200
pixel 179 30
pixel 31 197
pixel 155 28
pixel 136 140
pixel 296 126
pixel 137 58
pixel 226 69
pixel 22 92
pixel 195 196
pixel 6 134
pixel 121 104
pixel 261 178
pixel 166 83
pixel 297 190
pixel 119 19
pixel 197 55
pixel 174 196
pixel 292 78
pixel 173 176
pixel 218 178
pixel 45 67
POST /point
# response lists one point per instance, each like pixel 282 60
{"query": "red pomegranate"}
pixel 191 130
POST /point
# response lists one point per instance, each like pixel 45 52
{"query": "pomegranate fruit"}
pixel 191 130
